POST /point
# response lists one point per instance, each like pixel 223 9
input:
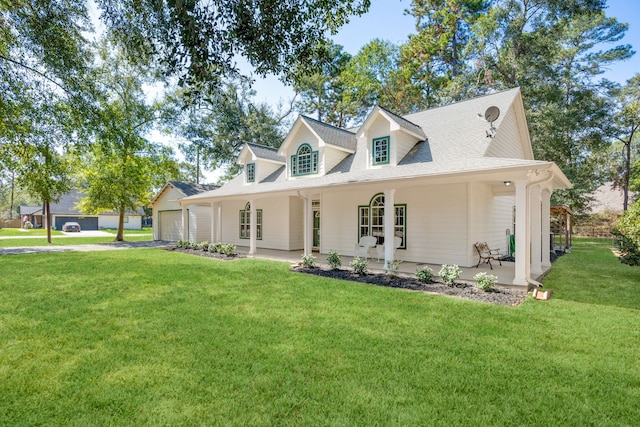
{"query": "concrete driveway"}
pixel 84 248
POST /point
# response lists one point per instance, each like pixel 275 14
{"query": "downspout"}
pixel 529 184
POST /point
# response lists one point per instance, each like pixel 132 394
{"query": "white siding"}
pixel 507 142
pixel 330 157
pixel 296 224
pixel 164 203
pixel 131 222
pixel 199 223
pixel 436 222
pixel 264 169
pixel 401 143
pixel 275 223
pixel 490 217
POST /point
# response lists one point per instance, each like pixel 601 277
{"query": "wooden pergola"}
pixel 561 228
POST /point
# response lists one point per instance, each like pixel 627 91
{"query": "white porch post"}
pixel 546 228
pixel 389 226
pixel 308 226
pixel 522 235
pixel 185 223
pixel 536 231
pixel 253 227
pixel 213 223
pixel 218 222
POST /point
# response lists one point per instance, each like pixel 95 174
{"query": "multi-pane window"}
pixel 371 220
pixel 380 150
pixel 250 172
pixel 305 161
pixel 245 223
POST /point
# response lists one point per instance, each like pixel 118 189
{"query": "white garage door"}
pixel 170 225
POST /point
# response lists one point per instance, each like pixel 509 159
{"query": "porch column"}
pixel 536 231
pixel 253 227
pixel 546 228
pixel 218 222
pixel 389 226
pixel 522 235
pixel 213 223
pixel 307 225
pixel 185 223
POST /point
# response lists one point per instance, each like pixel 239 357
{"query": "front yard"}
pixel 152 337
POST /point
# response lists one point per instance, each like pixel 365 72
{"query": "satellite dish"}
pixel 492 114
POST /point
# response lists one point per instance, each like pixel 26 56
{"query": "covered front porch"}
pixel 504 272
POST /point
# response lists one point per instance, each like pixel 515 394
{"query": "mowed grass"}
pixel 66 241
pixel 150 337
pixel 6 232
pixel 144 230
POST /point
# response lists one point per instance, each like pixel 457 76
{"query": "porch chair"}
pixel 397 242
pixel 362 248
pixel 486 254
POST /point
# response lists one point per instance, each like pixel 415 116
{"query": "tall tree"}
pixel 321 91
pixel 119 166
pixel 627 126
pixel 554 51
pixel 198 40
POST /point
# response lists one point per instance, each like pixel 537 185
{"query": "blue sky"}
pixel 386 20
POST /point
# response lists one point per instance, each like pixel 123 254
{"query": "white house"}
pixel 66 210
pixel 167 213
pixel 441 180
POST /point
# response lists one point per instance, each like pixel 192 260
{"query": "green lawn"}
pixel 145 230
pixel 66 241
pixel 150 337
pixel 5 232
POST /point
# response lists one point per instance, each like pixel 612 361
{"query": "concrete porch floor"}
pixel 505 273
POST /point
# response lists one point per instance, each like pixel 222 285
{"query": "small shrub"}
pixel 228 249
pixel 485 281
pixel 359 266
pixel 182 244
pixel 334 260
pixel 308 261
pixel 392 267
pixel 425 274
pixel 28 225
pixel 627 232
pixel 204 245
pixel 449 273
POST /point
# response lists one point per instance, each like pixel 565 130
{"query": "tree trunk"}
pixel 120 235
pixel 48 220
pixel 627 172
pixel 13 189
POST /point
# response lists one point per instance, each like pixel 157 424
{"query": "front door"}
pixel 316 225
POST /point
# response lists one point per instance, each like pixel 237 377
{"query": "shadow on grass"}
pixel 592 274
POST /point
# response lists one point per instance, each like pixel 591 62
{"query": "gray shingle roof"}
pixel 456 144
pixel 332 135
pixel 264 152
pixel 404 123
pixel 190 189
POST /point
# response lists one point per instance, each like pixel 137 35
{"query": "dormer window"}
pixel 250 172
pixel 380 151
pixel 305 161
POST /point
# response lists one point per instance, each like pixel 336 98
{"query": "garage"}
pixel 170 225
pixel 86 223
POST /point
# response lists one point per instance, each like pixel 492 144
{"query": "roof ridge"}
pixel 326 124
pixel 475 98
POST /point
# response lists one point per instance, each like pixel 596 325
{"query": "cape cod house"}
pixel 439 180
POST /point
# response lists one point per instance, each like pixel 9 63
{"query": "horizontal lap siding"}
pixel 436 224
pixel 275 224
pixel 502 145
pixel 339 225
pixel 490 218
pixel 296 224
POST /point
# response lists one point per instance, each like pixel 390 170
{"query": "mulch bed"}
pixel 205 253
pixel 461 289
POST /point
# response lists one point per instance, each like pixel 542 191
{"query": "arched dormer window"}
pixel 371 220
pixel 305 161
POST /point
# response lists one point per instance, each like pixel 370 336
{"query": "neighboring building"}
pixel 66 210
pixel 167 213
pixel 441 180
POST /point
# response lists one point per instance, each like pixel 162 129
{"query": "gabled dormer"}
pixel 258 162
pixel 313 148
pixel 386 138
